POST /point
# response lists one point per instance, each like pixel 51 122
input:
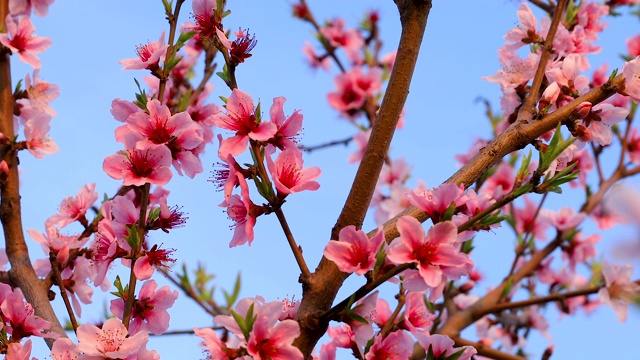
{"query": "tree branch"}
pixel 21 273
pixel 323 285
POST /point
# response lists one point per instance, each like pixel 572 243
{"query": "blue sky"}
pixel 442 118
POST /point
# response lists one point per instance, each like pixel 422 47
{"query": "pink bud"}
pixel 4 170
pixel 581 111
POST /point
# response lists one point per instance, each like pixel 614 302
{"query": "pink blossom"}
pixel 391 205
pixel 314 60
pixel 436 202
pixel 396 346
pixel 528 221
pixel 564 219
pixel 349 39
pixel 239 209
pixel 155 258
pixel 64 349
pixel 417 317
pixel 567 74
pixel 581 249
pixel 515 70
pixel 160 127
pixel 599 120
pixel 288 174
pixel 342 336
pixel 178 132
pixel 214 346
pixel 36 128
pixel 75 282
pixel 40 93
pixel 241 118
pixel 619 290
pixel 74 208
pixel 353 88
pixel 435 255
pixel 149 56
pixel 589 18
pixel 150 308
pixel 631 73
pixel 441 345
pixel 633 46
pixel 241 309
pixel 137 166
pixel 633 146
pixel 17 351
pixel 56 242
pixel 526 33
pixel 23 41
pixel 121 109
pixel 208 21
pixel 271 341
pixel 599 76
pixel 111 341
pixel 364 308
pixel 20 319
pixel 500 183
pixel 361 139
pixel 354 252
pixel 288 127
pixel 584 165
pixel 23 7
pixel 225 177
pixel 396 171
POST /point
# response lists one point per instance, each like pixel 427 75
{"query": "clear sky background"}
pixel 442 119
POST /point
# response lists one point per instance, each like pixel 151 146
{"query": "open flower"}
pixel 619 290
pixel 437 258
pixel 355 252
pixel 110 341
pixel 23 41
pixel 288 174
pixel 241 118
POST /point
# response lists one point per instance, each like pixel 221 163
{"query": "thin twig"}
pixel 309 149
pixel 542 300
pixel 526 112
pixel 487 351
pixel 297 251
pixel 63 292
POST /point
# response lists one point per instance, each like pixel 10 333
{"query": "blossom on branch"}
pixel 23 41
pixel 354 252
pixel 435 254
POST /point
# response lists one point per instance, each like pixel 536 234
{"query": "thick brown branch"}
pixel 323 285
pixel 516 137
pixel 21 274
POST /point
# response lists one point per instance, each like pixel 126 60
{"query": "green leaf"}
pixel 141 98
pixel 613 75
pixel 171 63
pixel 448 214
pixel 167 7
pixel 357 317
pixel 467 246
pixel 183 38
pixel 258 113
pixel 455 355
pixel 507 287
pixel 18 86
pixel 118 284
pixel 233 297
pixel 523 171
pixel 132 236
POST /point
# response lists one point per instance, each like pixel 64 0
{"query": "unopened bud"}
pixel 4 170
pixel 581 111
